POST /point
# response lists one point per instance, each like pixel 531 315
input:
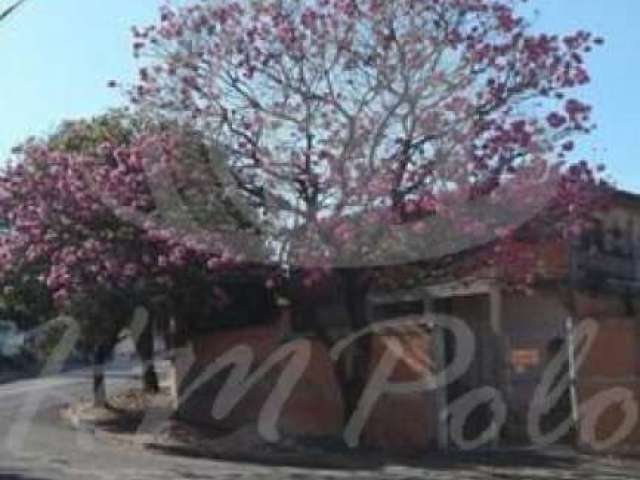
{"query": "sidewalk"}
pixel 136 421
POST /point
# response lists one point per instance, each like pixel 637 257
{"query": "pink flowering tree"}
pixel 382 113
pixel 372 134
pixel 89 218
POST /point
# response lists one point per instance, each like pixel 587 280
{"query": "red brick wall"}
pixel 598 305
pixel 315 407
pixel 613 362
pixel 402 421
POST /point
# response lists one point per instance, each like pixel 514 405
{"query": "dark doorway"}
pixel 474 310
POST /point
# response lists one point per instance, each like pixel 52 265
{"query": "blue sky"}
pixel 57 56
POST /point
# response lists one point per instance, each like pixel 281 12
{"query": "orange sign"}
pixel 523 359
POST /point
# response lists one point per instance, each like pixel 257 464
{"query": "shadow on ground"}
pixel 372 461
pixel 18 475
pixel 122 421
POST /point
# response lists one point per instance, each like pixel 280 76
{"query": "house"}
pixel 521 341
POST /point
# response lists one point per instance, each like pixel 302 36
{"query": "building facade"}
pixel 559 364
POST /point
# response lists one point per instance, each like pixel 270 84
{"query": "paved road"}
pixel 34 445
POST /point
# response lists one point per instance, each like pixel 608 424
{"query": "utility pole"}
pixel 8 11
pixel 573 375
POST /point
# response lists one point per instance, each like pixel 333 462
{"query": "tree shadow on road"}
pixel 533 459
pixel 18 475
pixel 317 461
pixel 375 461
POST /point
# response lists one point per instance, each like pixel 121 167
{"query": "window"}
pixel 399 309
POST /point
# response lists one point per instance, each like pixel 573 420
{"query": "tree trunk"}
pixel 145 349
pixel 150 379
pixel 353 383
pixel 100 354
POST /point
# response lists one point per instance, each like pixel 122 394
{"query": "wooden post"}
pixel 495 302
pixel 573 378
pixel 499 361
pixel 439 395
